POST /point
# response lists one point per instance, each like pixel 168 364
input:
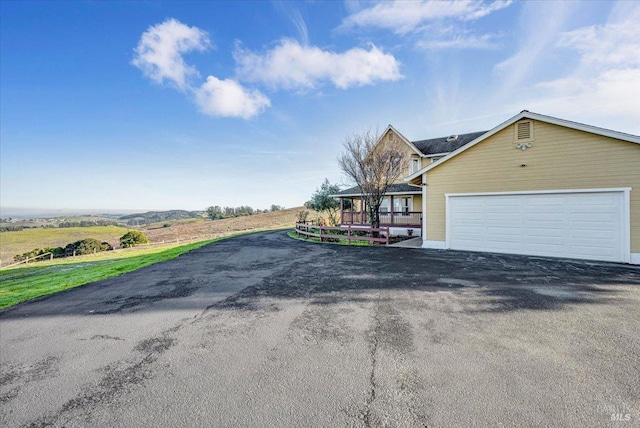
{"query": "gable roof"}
pixel 440 145
pixel 525 114
pixel 402 137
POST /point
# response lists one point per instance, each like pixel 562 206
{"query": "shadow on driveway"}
pixel 273 265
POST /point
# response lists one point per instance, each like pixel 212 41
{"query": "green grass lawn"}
pixel 28 282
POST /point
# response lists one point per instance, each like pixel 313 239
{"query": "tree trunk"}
pixel 374 219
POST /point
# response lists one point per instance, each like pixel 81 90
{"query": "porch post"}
pixel 391 209
pixel 362 208
pixel 341 211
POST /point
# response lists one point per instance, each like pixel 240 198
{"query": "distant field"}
pixel 12 243
pixel 214 228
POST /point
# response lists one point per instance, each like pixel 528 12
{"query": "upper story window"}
pixel 415 164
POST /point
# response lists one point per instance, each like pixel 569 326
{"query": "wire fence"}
pixel 164 242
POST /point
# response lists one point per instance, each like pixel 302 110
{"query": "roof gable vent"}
pixel 451 138
pixel 524 130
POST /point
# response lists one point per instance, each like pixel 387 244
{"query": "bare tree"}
pixel 373 166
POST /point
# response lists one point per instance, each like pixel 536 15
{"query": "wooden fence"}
pixel 347 233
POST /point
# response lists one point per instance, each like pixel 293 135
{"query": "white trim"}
pixel 399 199
pixel 532 136
pixel 447 220
pixel 626 211
pixel 635 259
pixel 626 225
pixel 408 192
pixel 436 245
pixel 535 116
pixel 402 137
pixel 424 207
pixel 410 206
pixel 436 154
pixel 534 192
pixel 413 164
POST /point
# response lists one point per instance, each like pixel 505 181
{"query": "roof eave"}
pixel 528 115
pixel 408 192
pixel 404 139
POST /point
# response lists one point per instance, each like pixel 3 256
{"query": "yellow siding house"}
pixel 535 185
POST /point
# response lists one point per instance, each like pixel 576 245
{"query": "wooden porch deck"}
pixel 391 219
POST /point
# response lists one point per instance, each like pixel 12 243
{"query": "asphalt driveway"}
pixel 263 330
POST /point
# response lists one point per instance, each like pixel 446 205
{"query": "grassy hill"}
pixel 156 216
pixel 12 243
pixel 216 228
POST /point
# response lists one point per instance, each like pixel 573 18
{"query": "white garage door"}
pixel 575 225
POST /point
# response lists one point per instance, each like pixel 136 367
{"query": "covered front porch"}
pixel 400 208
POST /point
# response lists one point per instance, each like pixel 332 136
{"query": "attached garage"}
pixel 580 224
pixel 537 185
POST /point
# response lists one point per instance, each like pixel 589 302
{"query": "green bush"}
pixel 87 246
pixel 78 248
pixel 133 238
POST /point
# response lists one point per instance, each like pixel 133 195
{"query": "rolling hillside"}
pixel 215 228
pixel 12 243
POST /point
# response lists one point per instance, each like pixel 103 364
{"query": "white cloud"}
pixel 406 16
pixel 611 93
pixel 461 41
pixel 615 44
pixel 230 99
pixel 159 52
pixel 159 56
pixel 604 87
pixel 290 65
pixel 295 18
pixel 541 24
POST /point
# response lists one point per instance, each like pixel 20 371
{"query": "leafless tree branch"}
pixel 373 166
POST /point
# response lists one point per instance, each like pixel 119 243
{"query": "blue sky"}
pixel 167 105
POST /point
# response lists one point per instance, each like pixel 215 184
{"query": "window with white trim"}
pixel 403 204
pixel 415 164
pixel 384 206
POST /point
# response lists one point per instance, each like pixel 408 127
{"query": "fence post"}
pixel 320 228
pixel 349 234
